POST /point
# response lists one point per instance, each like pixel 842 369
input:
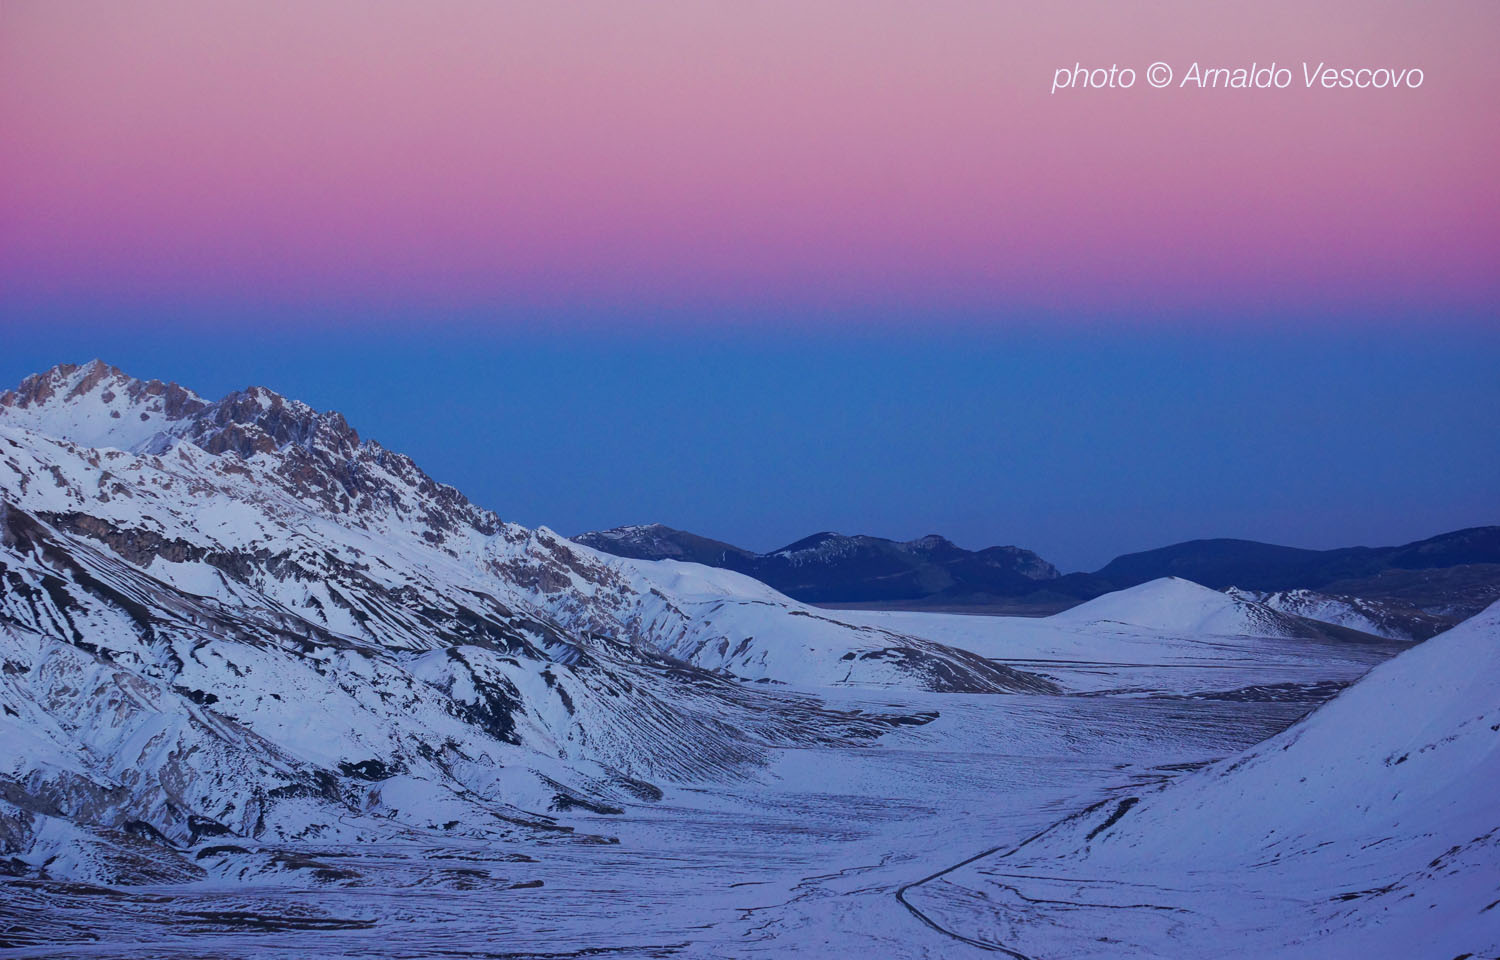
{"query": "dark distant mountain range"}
pixel 833 568
pixel 1265 566
pixel 1451 575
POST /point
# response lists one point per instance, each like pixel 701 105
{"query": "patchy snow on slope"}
pixel 1356 613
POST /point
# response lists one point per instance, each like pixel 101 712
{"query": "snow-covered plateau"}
pixel 269 690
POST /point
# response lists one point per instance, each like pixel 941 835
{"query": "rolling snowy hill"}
pixel 1174 605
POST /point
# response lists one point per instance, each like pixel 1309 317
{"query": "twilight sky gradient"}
pixel 779 266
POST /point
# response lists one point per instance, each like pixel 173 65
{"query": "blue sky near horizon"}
pixel 1079 445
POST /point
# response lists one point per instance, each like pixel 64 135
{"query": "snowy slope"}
pixel 1368 829
pixel 725 621
pixel 130 704
pixel 1356 613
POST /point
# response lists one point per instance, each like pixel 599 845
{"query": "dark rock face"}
pixel 321 456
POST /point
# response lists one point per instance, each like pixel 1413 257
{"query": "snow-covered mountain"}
pixel 1367 829
pixel 257 488
pixel 243 649
pixel 238 619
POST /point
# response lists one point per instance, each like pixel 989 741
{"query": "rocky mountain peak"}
pixel 258 420
pixel 61 383
pixel 98 405
pixel 930 543
pixel 823 543
pixel 1022 561
pixel 632 531
pixel 317 455
pixel 321 457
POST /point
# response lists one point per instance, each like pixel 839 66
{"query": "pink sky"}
pixel 710 158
